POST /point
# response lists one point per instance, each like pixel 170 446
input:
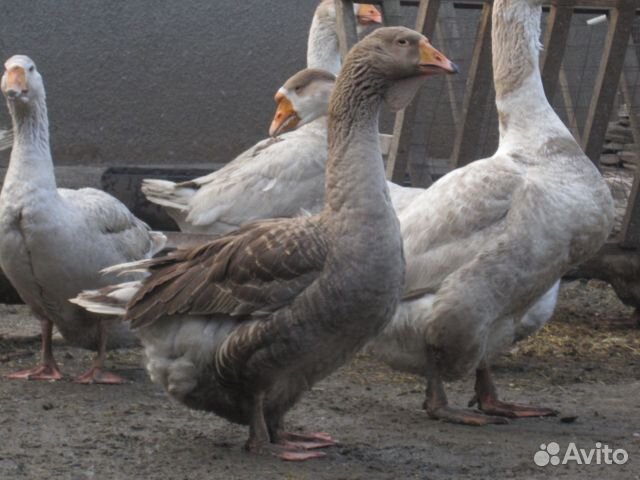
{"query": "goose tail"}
pixel 111 300
pixel 6 139
pixel 167 194
pixel 158 242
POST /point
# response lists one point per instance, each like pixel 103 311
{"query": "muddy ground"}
pixel 586 363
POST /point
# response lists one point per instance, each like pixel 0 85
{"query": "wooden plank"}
pixel 554 45
pixel 630 233
pixel 345 25
pixel 608 79
pixel 391 14
pixel 479 83
pixel 590 4
pixel 398 159
pixel 568 105
pixel 451 87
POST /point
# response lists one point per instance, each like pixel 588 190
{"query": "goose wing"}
pixel 249 273
pixel 106 216
pixel 276 178
pixel 459 216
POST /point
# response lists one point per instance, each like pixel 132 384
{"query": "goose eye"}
pixel 298 89
pixel 32 68
pixel 403 42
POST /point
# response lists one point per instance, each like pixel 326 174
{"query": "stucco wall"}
pixel 153 81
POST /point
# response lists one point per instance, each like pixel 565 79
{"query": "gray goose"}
pixel 245 323
pixel 54 241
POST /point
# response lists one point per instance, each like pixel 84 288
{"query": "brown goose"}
pixel 244 324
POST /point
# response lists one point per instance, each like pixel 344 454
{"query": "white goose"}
pixel 487 244
pixel 267 180
pixel 54 242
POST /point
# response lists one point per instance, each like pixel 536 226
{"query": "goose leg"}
pixel 260 442
pixel 97 374
pixel 487 398
pixel 437 405
pixel 48 368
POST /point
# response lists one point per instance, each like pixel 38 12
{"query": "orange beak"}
pixel 285 118
pixel 368 15
pixel 16 82
pixel 433 62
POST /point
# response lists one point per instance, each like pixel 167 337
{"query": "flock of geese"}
pixel 315 255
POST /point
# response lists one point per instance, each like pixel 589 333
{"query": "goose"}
pixel 244 324
pixel 487 244
pixel 274 178
pixel 302 99
pixel 323 48
pixel 298 107
pixel 54 241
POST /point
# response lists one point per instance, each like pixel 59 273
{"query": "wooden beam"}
pixel 554 43
pixel 608 78
pixel 399 152
pixel 391 14
pixel 345 25
pixel 451 90
pixel 589 4
pixel 568 105
pixel 630 233
pixel 479 84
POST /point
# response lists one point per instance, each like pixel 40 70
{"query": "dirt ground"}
pixel 586 363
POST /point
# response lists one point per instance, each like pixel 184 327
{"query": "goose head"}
pixel 366 14
pixel 400 52
pixel 21 83
pixel 303 98
pixel 395 62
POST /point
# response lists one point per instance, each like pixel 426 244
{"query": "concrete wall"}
pixel 156 81
pixel 190 83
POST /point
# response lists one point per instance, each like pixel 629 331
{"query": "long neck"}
pixel 323 51
pixel 31 162
pixel 354 178
pixel 520 97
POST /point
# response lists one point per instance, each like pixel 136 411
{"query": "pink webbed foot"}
pixel 284 451
pixel 297 456
pixel 464 416
pixel 487 398
pixel 514 410
pixel 306 441
pixel 48 372
pixel 97 375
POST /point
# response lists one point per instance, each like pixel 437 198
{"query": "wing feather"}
pixel 253 271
